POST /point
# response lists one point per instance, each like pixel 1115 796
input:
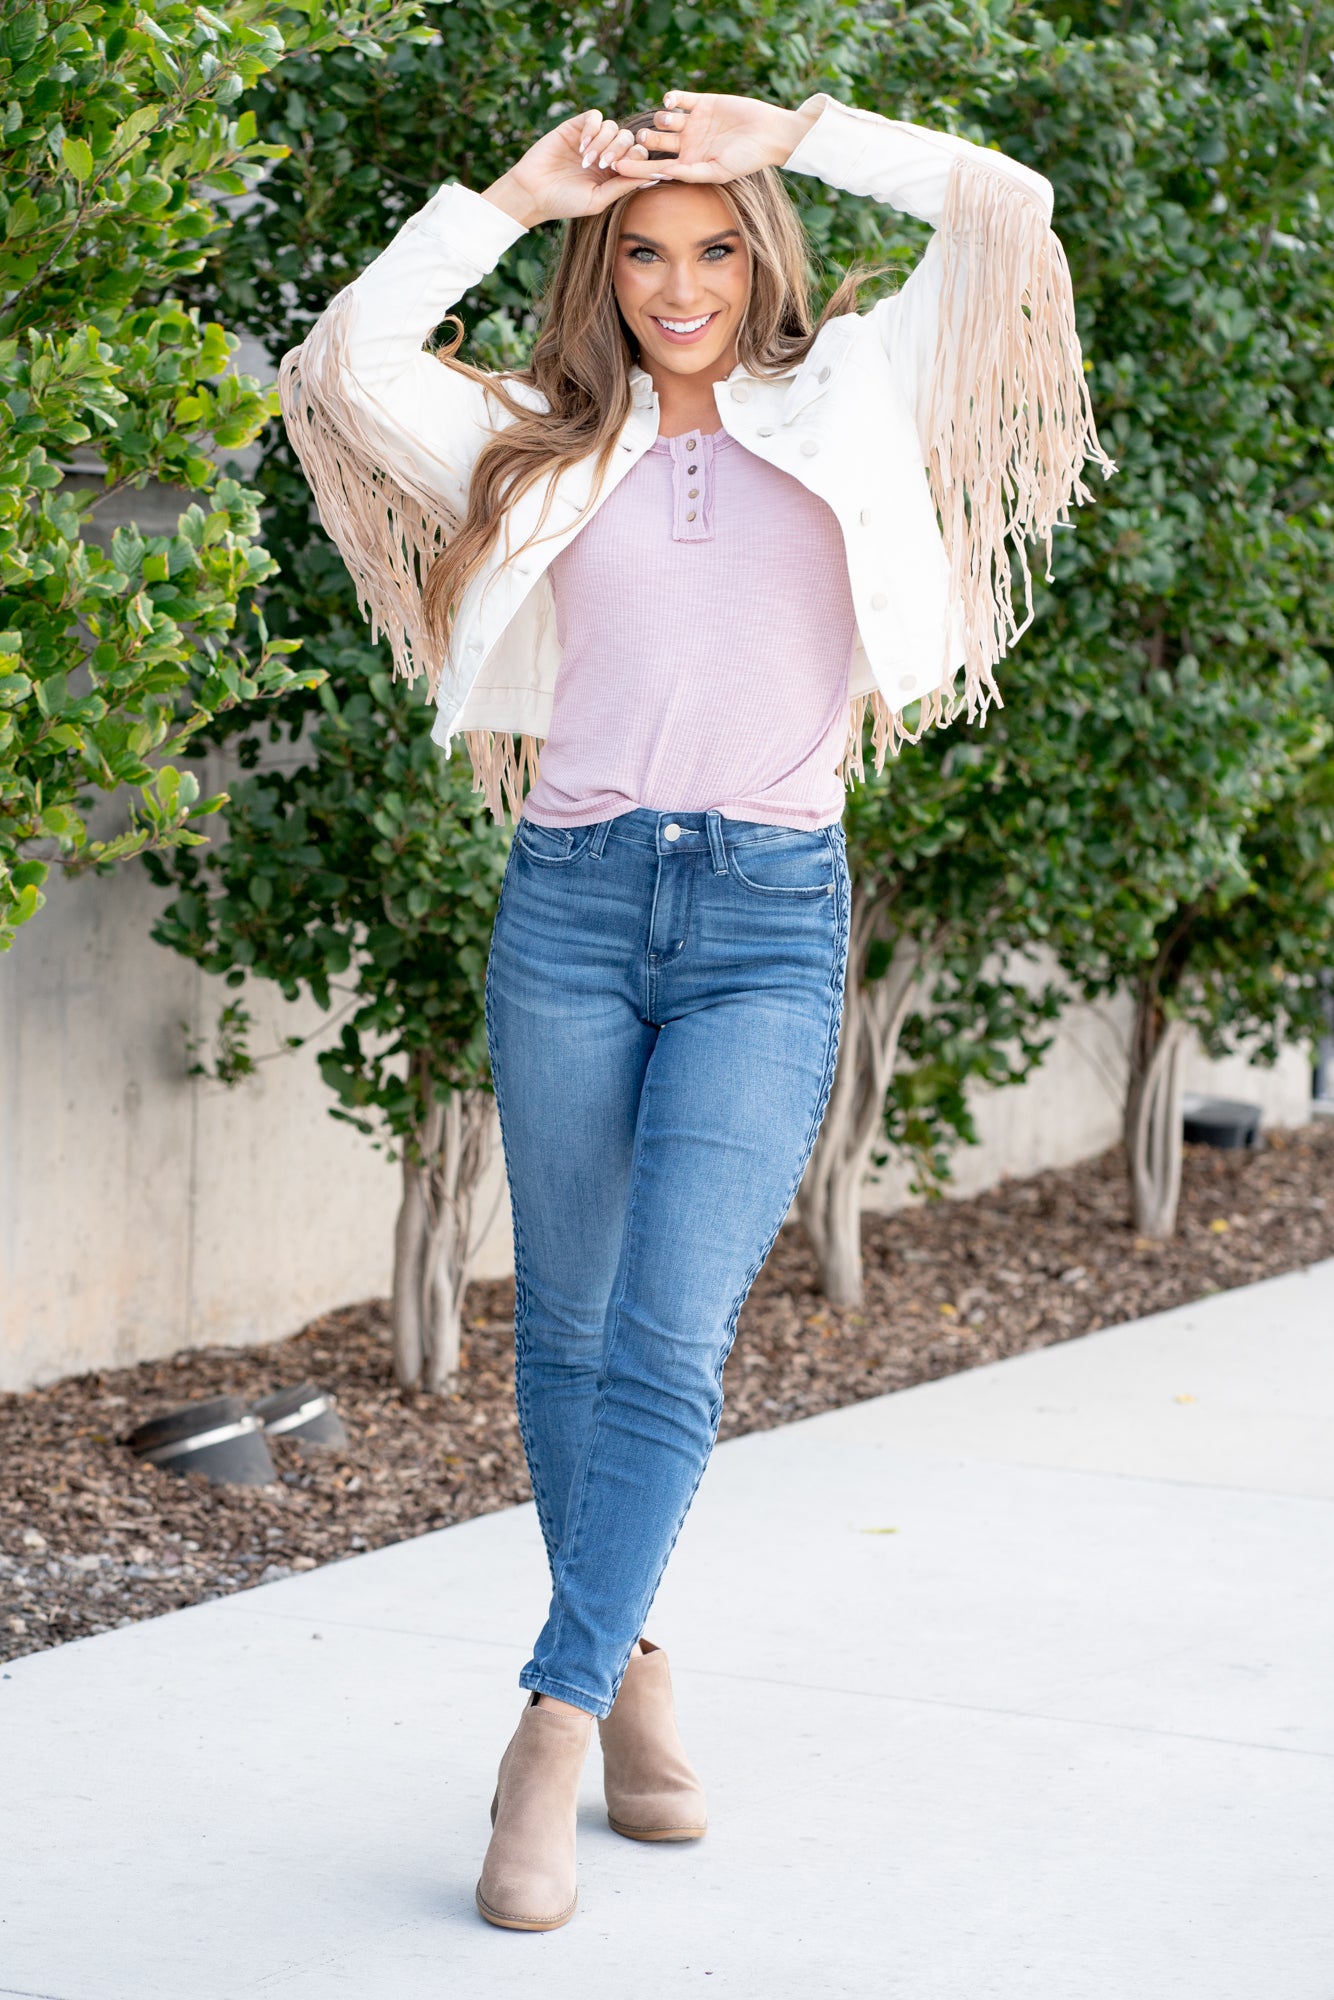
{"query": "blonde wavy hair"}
pixel 583 354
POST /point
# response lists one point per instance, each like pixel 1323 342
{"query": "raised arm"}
pixel 981 338
pixel 386 433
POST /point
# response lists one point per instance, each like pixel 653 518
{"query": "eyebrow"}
pixel 719 236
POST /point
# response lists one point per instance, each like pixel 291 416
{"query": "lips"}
pixel 683 331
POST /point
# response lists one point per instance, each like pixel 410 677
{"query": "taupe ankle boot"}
pixel 527 1881
pixel 652 1792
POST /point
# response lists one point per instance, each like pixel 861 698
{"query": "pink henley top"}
pixel 707 628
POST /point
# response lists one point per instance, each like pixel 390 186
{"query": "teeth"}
pixel 685 325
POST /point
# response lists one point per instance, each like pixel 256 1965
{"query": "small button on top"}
pixel 879 602
pixel 766 430
pixel 691 515
pixel 741 392
pixel 691 443
pixel 824 374
pixel 809 447
pixel 693 493
pixel 692 470
pixel 671 831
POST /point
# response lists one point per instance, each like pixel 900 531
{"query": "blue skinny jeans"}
pixel 663 1000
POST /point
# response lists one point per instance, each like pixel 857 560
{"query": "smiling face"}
pixel 682 279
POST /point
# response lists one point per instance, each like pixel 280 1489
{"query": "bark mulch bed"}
pixel 91 1537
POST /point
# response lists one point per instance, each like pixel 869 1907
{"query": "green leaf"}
pixel 78 157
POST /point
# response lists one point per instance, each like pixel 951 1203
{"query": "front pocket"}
pixel 793 864
pixel 551 845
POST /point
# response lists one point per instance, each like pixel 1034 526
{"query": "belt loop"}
pixel 599 840
pixel 713 820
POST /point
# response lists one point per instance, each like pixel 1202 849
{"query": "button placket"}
pixel 692 487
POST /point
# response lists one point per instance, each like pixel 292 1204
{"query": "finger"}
pixel 580 130
pixel 681 100
pixel 602 135
pixel 662 142
pixel 689 170
pixel 613 189
pixel 670 121
pixel 646 171
pixel 619 146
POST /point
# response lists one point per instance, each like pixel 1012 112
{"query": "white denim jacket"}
pixel 944 427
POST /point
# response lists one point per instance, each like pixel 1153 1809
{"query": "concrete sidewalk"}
pixel 1019 1686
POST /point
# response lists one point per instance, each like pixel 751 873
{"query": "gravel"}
pixel 92 1538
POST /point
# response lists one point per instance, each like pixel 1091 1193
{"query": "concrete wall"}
pixel 143 1210
pixel 1070 1108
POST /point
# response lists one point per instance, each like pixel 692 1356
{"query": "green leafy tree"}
pixel 1168 715
pixel 122 137
pixel 367 876
pixel 1176 709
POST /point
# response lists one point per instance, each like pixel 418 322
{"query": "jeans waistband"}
pixel 690 832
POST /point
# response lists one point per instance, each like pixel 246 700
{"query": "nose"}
pixel 682 290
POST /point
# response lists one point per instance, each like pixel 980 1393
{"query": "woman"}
pixel 686 548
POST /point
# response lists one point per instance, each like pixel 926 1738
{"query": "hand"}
pixel 703 136
pixel 571 171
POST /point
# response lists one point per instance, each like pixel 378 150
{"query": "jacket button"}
pixel 824 374
pixel 765 431
pixel 907 682
pixel 741 392
pixel 880 602
pixel 865 517
pixel 809 447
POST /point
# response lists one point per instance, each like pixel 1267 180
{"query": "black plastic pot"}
pixel 220 1437
pixel 1220 1121
pixel 305 1414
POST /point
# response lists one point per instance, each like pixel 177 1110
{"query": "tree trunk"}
pixel 829 1200
pixel 433 1238
pixel 1153 1118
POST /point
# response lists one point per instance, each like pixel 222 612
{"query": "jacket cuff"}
pixel 907 166
pixel 474 229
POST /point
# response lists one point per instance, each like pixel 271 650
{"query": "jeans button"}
pixel 671 831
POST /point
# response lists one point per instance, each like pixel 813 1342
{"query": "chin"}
pixel 683 360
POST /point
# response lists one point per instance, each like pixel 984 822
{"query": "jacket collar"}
pixel 799 386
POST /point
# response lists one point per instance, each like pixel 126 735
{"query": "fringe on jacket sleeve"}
pixel 1010 424
pixel 387 530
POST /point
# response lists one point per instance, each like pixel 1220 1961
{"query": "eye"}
pixel 716 250
pixel 642 253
